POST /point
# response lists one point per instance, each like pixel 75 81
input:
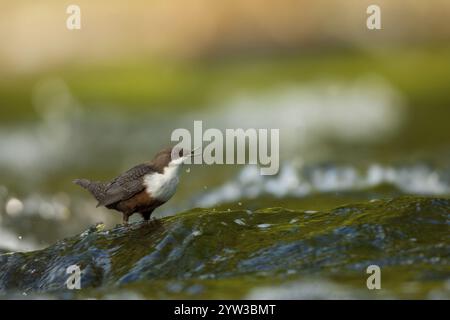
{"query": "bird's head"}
pixel 173 156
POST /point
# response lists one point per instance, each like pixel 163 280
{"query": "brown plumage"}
pixel 142 188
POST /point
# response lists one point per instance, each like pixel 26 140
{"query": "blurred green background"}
pixel 361 113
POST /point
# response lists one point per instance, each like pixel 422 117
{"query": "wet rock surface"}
pixel 267 253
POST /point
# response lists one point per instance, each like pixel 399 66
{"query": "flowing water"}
pixel 363 180
pixel 266 253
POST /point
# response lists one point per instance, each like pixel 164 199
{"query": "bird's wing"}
pixel 126 185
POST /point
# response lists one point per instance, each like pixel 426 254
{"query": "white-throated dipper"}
pixel 143 188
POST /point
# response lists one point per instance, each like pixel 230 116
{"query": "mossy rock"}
pixel 228 254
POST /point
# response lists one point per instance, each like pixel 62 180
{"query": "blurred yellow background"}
pixel 34 36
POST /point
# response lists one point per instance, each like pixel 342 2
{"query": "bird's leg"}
pixel 125 219
pixel 146 215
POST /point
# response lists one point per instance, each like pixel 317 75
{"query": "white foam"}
pixel 298 182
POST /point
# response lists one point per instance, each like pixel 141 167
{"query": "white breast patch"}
pixel 162 186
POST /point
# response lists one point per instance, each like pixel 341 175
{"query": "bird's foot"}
pixel 125 221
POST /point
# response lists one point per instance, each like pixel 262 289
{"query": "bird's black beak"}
pixel 193 154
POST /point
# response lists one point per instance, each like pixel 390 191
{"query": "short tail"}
pixel 97 189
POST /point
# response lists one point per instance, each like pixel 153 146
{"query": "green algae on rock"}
pixel 204 253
